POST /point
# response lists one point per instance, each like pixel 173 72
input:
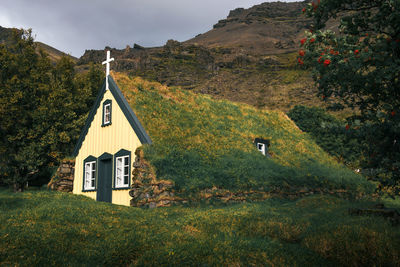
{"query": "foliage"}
pixel 330 133
pixel 50 228
pixel 42 109
pixel 200 143
pixel 359 68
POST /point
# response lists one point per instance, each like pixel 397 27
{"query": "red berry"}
pixel 356 51
pixel 302 41
pixel 327 62
pixel 302 53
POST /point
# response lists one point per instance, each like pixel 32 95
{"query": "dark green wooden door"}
pixel 104 183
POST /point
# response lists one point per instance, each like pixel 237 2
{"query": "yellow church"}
pixel 106 147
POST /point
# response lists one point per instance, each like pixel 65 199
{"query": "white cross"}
pixel 107 62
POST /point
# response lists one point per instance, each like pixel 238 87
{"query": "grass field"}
pixel 42 228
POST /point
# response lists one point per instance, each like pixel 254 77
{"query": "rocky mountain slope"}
pixel 249 57
pixel 266 28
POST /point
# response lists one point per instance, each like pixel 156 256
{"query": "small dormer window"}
pixel 261 148
pixel 107 111
pixel 262 145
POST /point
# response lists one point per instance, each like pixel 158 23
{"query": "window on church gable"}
pixel 107 111
pixel 122 169
pixel 90 175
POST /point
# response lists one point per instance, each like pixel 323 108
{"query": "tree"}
pixel 329 133
pixel 42 109
pixel 24 76
pixel 359 67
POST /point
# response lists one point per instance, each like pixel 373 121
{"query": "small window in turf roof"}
pixel 262 145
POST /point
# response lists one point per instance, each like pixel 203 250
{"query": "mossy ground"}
pixel 200 143
pixel 42 228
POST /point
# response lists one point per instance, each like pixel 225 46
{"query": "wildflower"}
pixel 347 126
pixel 302 53
pixel 319 60
pixel 327 62
pixel 300 61
pixel 356 51
pixel 312 40
pixel 304 10
pixel 302 41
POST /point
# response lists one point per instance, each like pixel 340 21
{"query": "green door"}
pixel 104 183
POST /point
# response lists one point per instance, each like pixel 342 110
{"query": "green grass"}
pixel 42 228
pixel 201 143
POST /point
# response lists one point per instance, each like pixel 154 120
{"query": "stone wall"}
pixel 146 190
pixel 63 179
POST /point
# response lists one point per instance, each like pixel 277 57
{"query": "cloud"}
pixel 75 25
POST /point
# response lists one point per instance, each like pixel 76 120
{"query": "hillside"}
pixel 268 28
pixel 200 143
pixel 59 229
pixel 54 54
pixel 250 57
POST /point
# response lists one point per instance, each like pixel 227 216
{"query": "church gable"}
pixel 104 107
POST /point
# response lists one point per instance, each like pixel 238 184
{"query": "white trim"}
pixel 122 171
pixel 90 175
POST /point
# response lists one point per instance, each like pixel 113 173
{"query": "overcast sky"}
pixel 75 25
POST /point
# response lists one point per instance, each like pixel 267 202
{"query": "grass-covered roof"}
pixel 199 142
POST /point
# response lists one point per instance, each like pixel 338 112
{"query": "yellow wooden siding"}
pixel 119 135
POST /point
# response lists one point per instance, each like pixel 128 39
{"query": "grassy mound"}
pixel 60 229
pixel 202 143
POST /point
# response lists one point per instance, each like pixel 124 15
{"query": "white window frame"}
pixel 90 175
pixel 107 113
pixel 122 171
pixel 262 149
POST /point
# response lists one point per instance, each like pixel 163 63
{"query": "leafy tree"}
pixel 24 76
pixel 42 109
pixel 330 133
pixel 359 67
